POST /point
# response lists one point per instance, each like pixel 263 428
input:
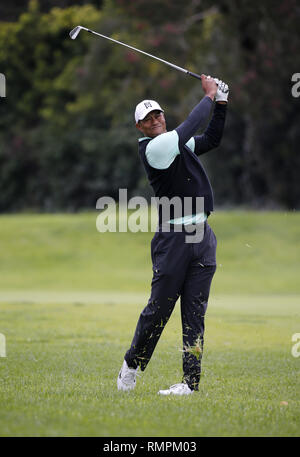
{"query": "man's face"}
pixel 153 124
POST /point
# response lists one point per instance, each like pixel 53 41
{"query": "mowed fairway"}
pixel 70 298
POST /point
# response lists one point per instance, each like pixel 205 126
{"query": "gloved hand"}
pixel 222 92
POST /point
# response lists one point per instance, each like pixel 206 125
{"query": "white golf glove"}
pixel 222 92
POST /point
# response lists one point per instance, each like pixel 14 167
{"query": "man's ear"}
pixel 139 127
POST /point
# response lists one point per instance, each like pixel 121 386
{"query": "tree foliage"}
pixel 67 133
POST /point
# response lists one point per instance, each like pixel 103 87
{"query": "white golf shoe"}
pixel 127 377
pixel 177 389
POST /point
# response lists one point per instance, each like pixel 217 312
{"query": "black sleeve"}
pixel 212 136
pixel 195 120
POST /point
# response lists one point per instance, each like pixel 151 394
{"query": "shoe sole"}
pixel 163 392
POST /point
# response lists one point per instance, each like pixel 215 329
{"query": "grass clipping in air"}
pixel 195 350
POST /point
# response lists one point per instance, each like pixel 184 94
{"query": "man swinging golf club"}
pixel 180 269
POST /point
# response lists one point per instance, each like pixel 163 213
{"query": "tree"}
pixel 67 133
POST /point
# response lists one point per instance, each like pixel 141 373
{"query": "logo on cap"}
pixel 148 105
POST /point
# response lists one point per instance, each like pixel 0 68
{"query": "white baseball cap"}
pixel 145 107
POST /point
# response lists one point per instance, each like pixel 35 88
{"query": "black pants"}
pixel 179 269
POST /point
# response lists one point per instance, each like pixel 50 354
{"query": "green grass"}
pixel 70 298
pixel 257 253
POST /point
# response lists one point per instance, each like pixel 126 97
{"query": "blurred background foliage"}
pixel 67 133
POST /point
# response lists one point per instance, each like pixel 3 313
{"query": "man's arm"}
pixel 200 113
pixel 195 120
pixel 162 150
pixel 213 134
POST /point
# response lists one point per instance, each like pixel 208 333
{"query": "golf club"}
pixel 75 32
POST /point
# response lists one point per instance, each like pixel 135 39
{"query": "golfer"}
pixel 180 268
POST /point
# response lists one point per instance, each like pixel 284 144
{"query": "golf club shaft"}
pixel 76 30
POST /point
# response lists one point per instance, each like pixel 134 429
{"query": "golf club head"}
pixel 74 33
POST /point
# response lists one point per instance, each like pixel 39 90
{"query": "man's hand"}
pixel 209 86
pixel 222 92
